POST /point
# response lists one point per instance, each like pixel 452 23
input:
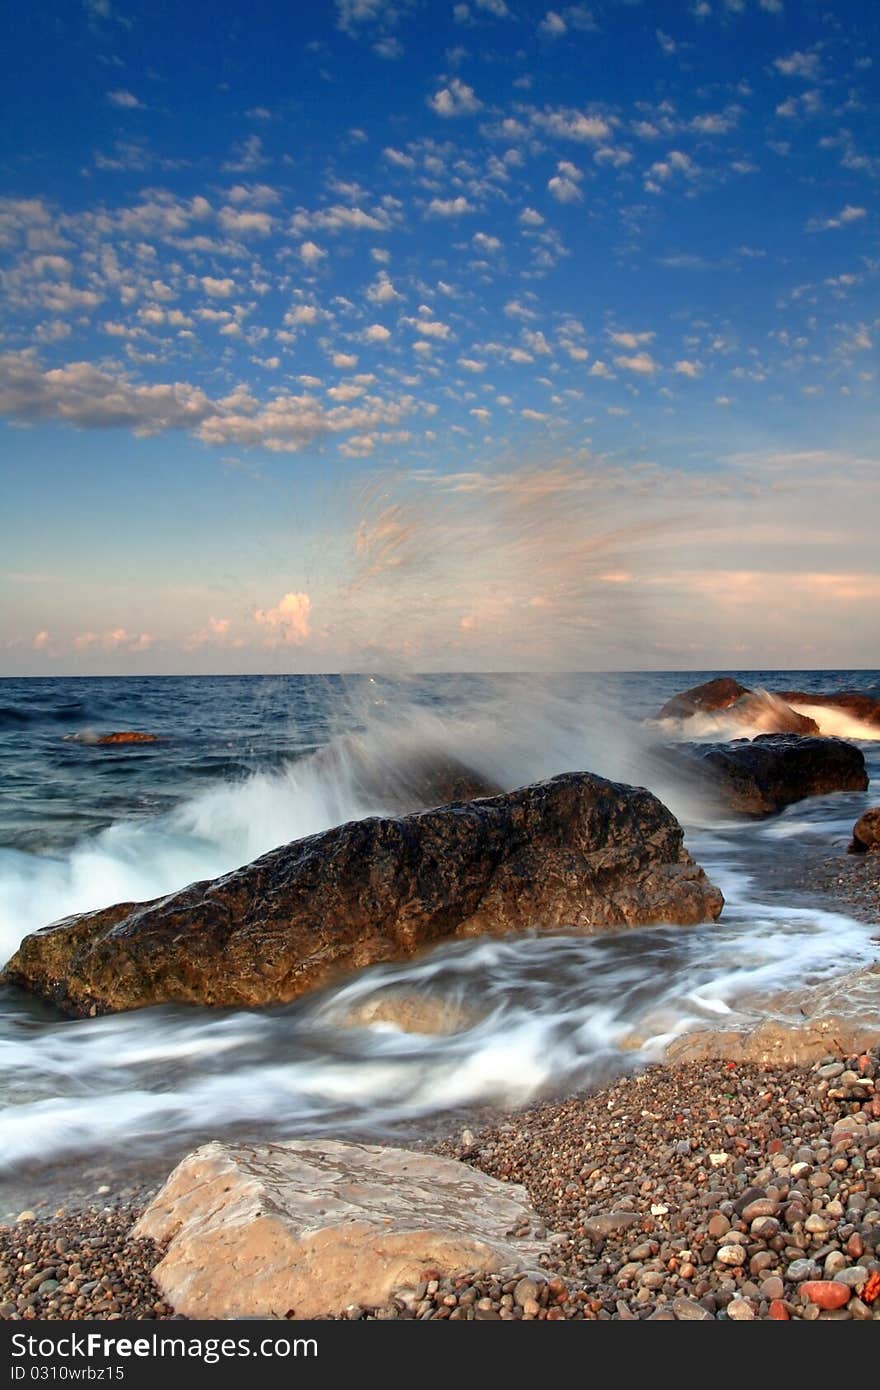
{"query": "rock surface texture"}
pixel 866 833
pixel 308 1229
pixel 575 853
pixel 760 776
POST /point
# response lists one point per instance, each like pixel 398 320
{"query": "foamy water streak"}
pixel 761 717
pixel 551 1012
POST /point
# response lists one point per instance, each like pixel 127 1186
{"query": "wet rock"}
pixel 311 1228
pixel 865 708
pixel 866 832
pixel 577 852
pixel 826 1294
pixel 411 1013
pixel 718 694
pixel 125 736
pixel 761 776
pixel 609 1222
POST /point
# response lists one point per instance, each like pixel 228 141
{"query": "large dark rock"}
pixel 717 694
pixel 575 853
pixel 761 776
pixel 865 708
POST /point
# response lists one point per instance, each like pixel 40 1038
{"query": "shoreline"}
pixel 690 1191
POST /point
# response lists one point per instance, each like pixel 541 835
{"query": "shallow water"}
pixel 246 765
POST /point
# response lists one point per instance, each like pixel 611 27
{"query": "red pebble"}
pixel 775 1146
pixel 778 1311
pixel 826 1293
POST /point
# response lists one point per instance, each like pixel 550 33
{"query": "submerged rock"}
pixel 760 776
pixel 411 1012
pixel 797 1025
pixel 577 853
pixel 312 1227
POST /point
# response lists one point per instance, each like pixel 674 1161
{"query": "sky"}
pixel 421 335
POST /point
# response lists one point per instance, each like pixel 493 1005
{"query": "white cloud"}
pixel 244 223
pixel 457 99
pixel 530 218
pixel 83 395
pixel 489 245
pixel 642 363
pixel 116 639
pixel 302 316
pixel 846 215
pixel 126 101
pixel 290 619
pixel 344 360
pixel 247 155
pixel 376 333
pixel 798 64
pixel 515 309
pixel 382 290
pixel 217 289
pixel 311 254
pixel 686 368
pixel 340 218
pixel 471 364
pixel 553 25
pixel 564 184
pixel 450 207
pixel 428 328
pixel 570 124
pixel 631 340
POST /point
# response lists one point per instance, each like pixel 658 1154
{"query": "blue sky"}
pixel 445 335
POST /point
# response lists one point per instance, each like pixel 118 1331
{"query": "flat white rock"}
pixel 307 1228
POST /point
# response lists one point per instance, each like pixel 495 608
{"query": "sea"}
pixel 242 764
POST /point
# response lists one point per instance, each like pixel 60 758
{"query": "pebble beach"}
pixel 710 1190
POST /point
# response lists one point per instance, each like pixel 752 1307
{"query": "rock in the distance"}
pixel 307 1228
pixel 856 703
pixel 716 694
pixel 125 736
pixel 576 853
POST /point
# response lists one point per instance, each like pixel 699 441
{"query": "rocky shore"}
pixel 697 1191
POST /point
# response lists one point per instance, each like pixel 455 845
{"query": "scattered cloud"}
pixel 456 99
pixel 289 621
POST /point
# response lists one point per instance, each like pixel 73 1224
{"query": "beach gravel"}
pixel 702 1191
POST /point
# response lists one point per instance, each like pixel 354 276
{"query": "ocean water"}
pixel 243 764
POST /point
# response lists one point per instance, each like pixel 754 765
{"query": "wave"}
pixel 764 713
pixel 13 716
pixel 549 1014
pixel 399 757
